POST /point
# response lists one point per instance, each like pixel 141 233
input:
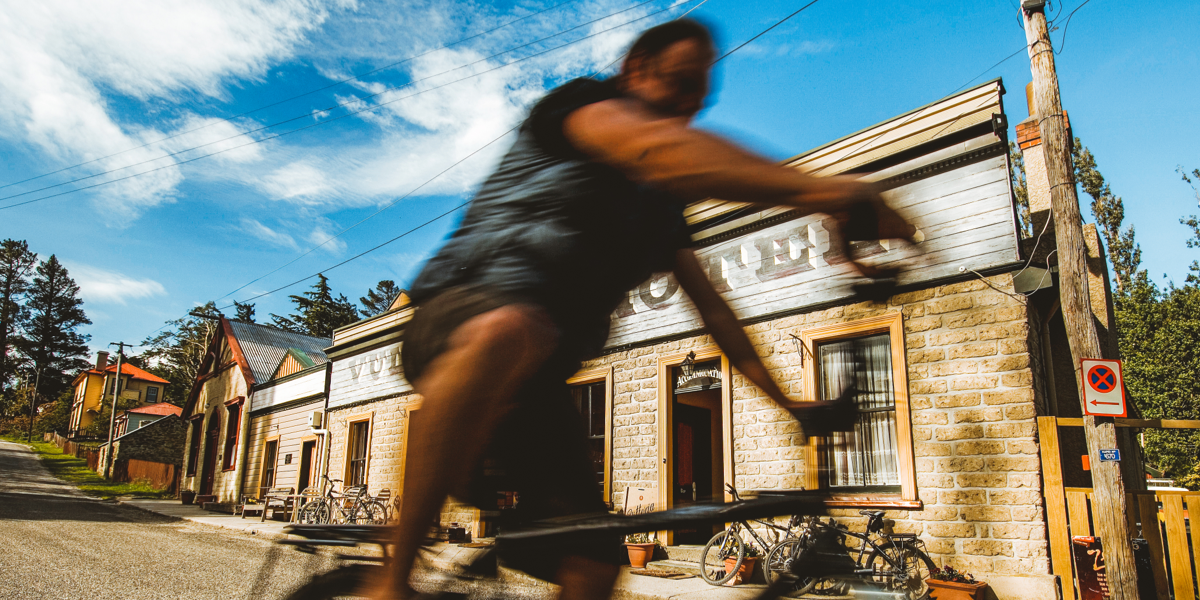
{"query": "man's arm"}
pixel 723 325
pixel 667 153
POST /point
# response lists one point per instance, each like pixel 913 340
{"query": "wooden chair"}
pixel 278 499
pixel 385 496
pixel 250 503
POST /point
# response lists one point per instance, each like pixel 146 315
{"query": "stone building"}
pixel 958 368
pixel 239 356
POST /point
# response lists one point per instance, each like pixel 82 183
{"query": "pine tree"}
pixel 16 265
pixel 51 341
pixel 378 300
pixel 318 313
pixel 245 312
pixel 1109 210
pixel 175 353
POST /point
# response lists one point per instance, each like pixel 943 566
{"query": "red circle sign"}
pixel 1102 379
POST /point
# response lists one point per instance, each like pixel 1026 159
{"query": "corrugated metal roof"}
pixel 264 347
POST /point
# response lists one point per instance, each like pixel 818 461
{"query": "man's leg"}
pixel 466 392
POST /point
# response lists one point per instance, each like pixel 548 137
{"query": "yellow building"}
pixel 95 386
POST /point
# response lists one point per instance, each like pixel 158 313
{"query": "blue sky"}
pixel 86 80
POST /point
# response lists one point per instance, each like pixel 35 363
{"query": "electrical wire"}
pixel 354 102
pixel 764 32
pixel 349 114
pixel 298 96
pixel 1063 42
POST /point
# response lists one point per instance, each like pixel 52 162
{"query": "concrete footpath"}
pixel 630 586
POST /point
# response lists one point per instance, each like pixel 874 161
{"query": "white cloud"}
pixel 59 57
pixel 110 287
pixel 276 238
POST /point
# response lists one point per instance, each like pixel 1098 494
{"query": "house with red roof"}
pixel 136 418
pixel 95 387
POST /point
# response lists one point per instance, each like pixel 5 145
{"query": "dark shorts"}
pixel 539 450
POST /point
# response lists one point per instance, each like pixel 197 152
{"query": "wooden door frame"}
pixel 666 435
pixel 312 468
pixel 597 375
pixel 211 448
pixel 262 464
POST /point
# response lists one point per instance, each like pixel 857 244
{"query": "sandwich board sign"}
pixel 1103 388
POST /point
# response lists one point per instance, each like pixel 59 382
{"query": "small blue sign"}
pixel 1110 455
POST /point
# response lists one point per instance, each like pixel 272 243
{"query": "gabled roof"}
pixel 265 347
pixel 159 408
pixel 126 369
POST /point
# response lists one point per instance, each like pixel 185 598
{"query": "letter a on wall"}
pixel 1103 388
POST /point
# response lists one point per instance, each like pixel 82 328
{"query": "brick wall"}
pixel 972 408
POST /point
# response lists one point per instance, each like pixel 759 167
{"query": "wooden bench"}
pixel 250 503
pixel 279 499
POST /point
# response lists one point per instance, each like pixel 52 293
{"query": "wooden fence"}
pixel 88 452
pixel 1162 517
pixel 159 475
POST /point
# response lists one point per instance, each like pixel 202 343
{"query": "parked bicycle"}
pixel 726 551
pixel 354 506
pixel 894 562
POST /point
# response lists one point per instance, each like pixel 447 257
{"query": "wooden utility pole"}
pixel 112 418
pixel 1108 487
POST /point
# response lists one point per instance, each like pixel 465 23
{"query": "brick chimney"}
pixel 101 360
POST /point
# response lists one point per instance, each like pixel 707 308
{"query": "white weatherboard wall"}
pixel 369 375
pixel 304 386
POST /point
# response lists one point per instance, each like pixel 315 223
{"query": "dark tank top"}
pixel 558 229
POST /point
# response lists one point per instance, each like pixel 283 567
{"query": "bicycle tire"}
pixel 779 561
pixel 713 567
pixel 315 512
pixel 916 565
pixel 341 582
pixel 369 513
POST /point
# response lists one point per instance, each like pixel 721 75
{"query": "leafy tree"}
pixel 1193 278
pixel 99 427
pixel 1020 187
pixel 1109 210
pixel 16 265
pixel 245 312
pixel 176 352
pixel 378 300
pixel 51 341
pixel 318 313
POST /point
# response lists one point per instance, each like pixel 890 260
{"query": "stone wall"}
pixel 972 409
pixel 161 441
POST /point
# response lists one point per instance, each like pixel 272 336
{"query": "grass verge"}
pixel 75 470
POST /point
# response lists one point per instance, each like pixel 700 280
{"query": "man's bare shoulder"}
pixel 607 128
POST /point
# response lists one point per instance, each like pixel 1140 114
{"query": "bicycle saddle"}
pixel 874 514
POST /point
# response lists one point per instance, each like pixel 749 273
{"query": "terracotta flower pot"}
pixel 952 590
pixel 744 572
pixel 187 496
pixel 640 554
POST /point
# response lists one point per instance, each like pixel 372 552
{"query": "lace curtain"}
pixel 867 456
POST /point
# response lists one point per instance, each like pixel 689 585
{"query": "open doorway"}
pixel 697 472
pixel 308 456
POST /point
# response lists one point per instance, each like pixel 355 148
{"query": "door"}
pixel 211 437
pixel 698 474
pixel 308 453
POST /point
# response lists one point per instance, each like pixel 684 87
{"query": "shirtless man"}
pixel 586 205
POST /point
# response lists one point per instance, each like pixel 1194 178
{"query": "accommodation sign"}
pixel 964 217
pixel 385 363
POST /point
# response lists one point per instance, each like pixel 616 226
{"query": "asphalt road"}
pixel 57 543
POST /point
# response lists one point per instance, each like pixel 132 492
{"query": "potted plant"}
pixel 948 583
pixel 746 570
pixel 187 496
pixel 641 549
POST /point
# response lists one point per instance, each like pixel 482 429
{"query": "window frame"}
pixel 891 323
pixel 153 388
pixel 369 419
pixel 233 434
pixel 197 435
pixel 262 467
pixel 597 375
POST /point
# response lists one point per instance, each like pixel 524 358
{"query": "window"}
pixel 194 447
pixel 151 394
pixel 270 457
pixel 232 424
pixel 867 456
pixel 591 403
pixel 872 465
pixel 356 468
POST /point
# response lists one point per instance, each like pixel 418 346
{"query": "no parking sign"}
pixel 1103 388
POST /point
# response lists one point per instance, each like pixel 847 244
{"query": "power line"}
pixel 763 32
pixel 355 102
pixel 298 96
pixel 1063 42
pixel 338 118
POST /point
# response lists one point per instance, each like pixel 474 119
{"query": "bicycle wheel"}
pixel 343 582
pixel 779 562
pixel 315 512
pixel 908 577
pixel 721 558
pixel 369 513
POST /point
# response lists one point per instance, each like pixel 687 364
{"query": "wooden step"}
pixel 675 566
